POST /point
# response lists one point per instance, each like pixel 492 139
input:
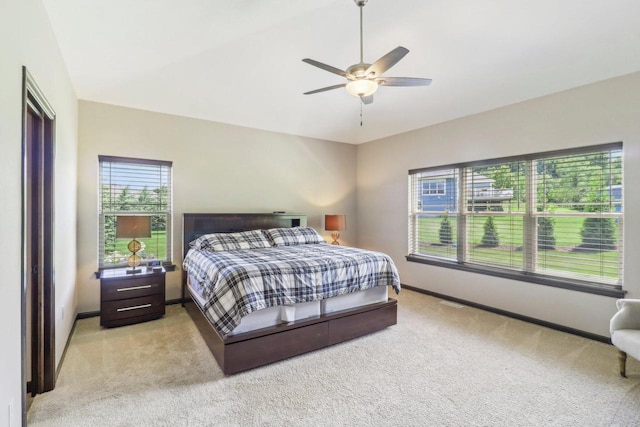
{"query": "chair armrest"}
pixel 628 315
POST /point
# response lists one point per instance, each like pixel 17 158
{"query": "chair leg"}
pixel 622 360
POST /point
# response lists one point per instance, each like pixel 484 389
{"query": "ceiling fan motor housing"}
pixel 358 71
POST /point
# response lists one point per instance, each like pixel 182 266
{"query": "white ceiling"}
pixel 239 61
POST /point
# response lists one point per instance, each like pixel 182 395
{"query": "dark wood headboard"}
pixel 195 225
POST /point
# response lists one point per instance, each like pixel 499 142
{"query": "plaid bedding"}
pixel 252 239
pixel 293 236
pixel 236 283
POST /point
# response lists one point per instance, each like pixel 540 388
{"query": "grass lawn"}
pixel 568 256
pixel 155 245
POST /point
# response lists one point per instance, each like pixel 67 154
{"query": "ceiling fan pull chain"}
pixel 361 114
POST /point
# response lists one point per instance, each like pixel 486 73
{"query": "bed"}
pixel 248 319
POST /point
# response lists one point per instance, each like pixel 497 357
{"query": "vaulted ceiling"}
pixel 240 61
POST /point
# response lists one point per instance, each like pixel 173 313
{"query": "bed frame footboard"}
pixel 237 353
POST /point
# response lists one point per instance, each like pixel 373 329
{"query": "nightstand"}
pixel 131 298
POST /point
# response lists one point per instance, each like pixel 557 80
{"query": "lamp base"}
pixel 134 260
pixel 335 236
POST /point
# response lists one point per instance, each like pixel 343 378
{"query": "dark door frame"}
pixel 43 337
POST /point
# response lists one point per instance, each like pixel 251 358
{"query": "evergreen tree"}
pixel 145 200
pixel 160 198
pixel 598 233
pixel 125 200
pixel 546 239
pixel 490 237
pixel 446 233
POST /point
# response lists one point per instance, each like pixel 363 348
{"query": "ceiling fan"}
pixel 364 79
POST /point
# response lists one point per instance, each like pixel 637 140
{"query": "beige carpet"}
pixel 440 366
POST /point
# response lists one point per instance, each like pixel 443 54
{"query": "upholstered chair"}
pixel 625 331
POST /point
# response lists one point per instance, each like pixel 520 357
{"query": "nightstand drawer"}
pixel 131 288
pixel 132 310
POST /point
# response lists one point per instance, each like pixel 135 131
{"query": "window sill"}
pixel 573 285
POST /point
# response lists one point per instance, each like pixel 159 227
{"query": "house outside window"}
pixel 553 218
pixel 138 187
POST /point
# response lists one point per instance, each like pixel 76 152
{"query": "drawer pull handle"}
pixel 135 307
pixel 133 288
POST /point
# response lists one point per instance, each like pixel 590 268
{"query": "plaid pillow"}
pixel 293 236
pixel 217 242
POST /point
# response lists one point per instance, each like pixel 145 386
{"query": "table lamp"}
pixel 132 227
pixel 335 223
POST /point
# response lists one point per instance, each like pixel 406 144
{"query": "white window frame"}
pixel 164 208
pixel 531 270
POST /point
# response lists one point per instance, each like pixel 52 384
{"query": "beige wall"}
pixel 605 112
pixel 216 168
pixel 26 39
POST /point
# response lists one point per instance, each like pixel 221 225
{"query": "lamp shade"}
pixel 131 226
pixel 335 222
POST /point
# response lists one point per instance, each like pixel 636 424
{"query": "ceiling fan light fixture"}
pixel 362 87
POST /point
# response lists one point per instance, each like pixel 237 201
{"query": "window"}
pixel 134 187
pixel 553 218
pixel 433 186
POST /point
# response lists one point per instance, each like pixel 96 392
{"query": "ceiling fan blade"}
pixel 403 81
pixel 366 100
pixel 324 89
pixel 387 61
pixel 325 67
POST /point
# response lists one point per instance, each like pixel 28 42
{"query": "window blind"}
pixel 556 215
pixel 128 186
pixel 496 214
pixel 579 216
pixel 434 211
